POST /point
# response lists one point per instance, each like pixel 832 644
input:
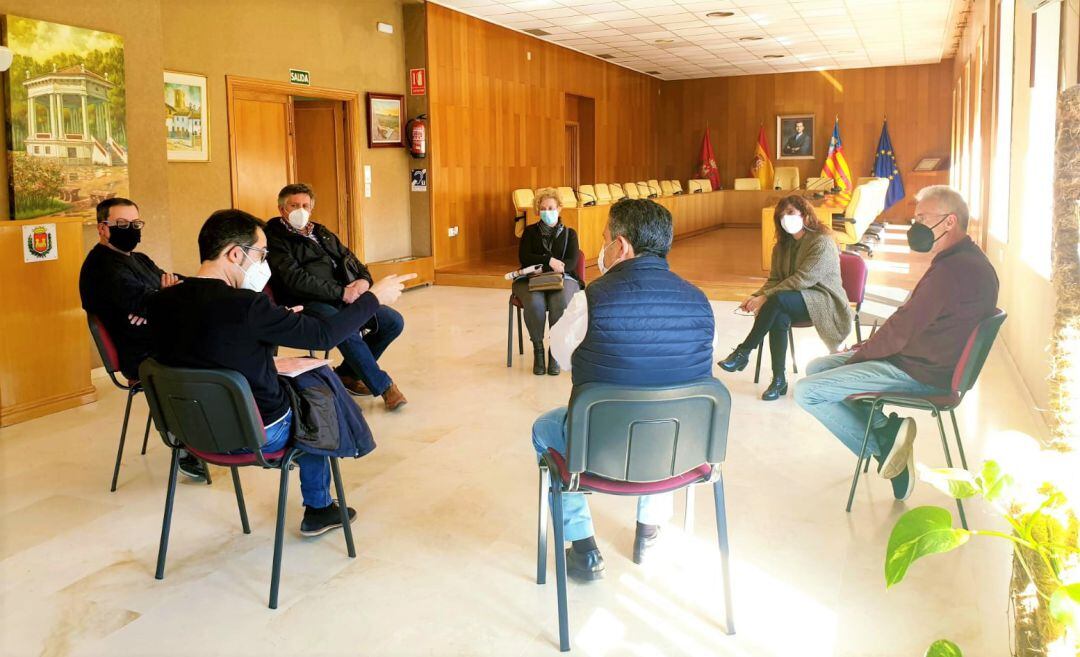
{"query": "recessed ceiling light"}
pixel 664 41
pixel 720 14
pixel 774 56
pixel 653 72
pixel 750 38
pixel 538 32
pixel 606 56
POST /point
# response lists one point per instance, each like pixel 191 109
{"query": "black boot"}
pixel 776 389
pixel 553 366
pixel 736 360
pixel 539 362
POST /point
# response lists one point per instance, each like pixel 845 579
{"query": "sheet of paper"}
pixel 293 366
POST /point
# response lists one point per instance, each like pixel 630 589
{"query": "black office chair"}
pixel 212 413
pixel 623 440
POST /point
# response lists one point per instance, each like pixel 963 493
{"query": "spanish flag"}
pixel 762 168
pixel 836 166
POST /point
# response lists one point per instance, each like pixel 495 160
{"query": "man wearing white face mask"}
pixel 804 285
pixel 220 319
pixel 638 324
pixel 313 269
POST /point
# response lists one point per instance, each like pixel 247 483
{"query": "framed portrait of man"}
pixel 795 137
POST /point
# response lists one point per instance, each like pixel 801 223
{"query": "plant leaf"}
pixel 919 532
pixel 943 648
pixel 954 482
pixel 1065 605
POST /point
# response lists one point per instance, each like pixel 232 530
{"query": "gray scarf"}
pixel 548 234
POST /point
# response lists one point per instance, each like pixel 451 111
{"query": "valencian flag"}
pixel 708 162
pixel 885 167
pixel 762 168
pixel 836 166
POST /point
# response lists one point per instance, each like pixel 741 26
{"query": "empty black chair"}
pixel 212 413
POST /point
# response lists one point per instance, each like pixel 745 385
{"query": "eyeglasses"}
pixel 124 223
pixel 921 218
pixel 260 253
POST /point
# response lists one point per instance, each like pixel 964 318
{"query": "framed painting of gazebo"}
pixel 186 122
pixel 65 111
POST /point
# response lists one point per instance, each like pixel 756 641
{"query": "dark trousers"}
pixel 775 318
pixel 361 353
pixel 538 304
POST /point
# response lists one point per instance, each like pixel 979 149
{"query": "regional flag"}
pixel 708 162
pixel 836 166
pixel 762 168
pixel 885 167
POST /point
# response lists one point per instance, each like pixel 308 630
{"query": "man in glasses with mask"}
pixel 917 349
pixel 313 269
pixel 115 284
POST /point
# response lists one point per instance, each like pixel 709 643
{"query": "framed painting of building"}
pixel 65 109
pixel 186 122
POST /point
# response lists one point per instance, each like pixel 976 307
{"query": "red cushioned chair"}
pixel 964 376
pixel 111 359
pixel 853 275
pixel 623 440
pixel 516 303
pixel 211 413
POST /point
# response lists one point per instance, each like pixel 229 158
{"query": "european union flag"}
pixel 885 167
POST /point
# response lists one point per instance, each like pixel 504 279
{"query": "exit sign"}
pixel 296 76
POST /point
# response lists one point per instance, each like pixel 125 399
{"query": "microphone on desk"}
pixel 587 203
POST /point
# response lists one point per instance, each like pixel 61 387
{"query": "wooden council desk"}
pixel 45 350
pixel 691 214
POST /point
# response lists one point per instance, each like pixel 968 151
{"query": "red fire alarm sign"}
pixel 417 81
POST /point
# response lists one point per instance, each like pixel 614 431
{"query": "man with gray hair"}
pixel 916 350
pixel 639 324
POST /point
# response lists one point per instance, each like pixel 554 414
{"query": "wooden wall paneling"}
pixel 497 124
pixel 915 98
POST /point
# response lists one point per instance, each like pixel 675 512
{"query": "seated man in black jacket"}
pixel 115 284
pixel 313 269
pixel 220 319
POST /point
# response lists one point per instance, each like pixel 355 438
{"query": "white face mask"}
pixel 298 218
pixel 256 276
pixel 600 259
pixel 791 223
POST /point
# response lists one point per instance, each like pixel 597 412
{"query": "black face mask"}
pixel 920 237
pixel 125 239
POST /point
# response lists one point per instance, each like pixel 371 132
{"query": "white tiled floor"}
pixel 446 532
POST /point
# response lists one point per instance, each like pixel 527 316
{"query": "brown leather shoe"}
pixel 355 386
pixel 393 398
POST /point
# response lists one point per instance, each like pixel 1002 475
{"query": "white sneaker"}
pixel 901 452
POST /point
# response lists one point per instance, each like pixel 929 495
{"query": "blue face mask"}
pixel 549 217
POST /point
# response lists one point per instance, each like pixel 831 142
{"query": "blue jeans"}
pixel 830 381
pixel 361 353
pixel 314 470
pixel 549 431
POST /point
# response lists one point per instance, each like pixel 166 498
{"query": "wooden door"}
pixel 261 148
pixel 320 159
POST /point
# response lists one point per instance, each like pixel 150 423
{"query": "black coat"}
pixel 304 271
pixel 564 247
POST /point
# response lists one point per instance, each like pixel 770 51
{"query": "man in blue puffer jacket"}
pixel 638 324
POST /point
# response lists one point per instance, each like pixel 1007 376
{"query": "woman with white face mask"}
pixel 553 246
pixel 803 286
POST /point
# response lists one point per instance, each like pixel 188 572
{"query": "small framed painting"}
pixel 187 124
pixel 384 125
pixel 795 137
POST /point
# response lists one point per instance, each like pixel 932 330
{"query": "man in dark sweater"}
pixel 917 349
pixel 313 269
pixel 220 319
pixel 638 324
pixel 116 283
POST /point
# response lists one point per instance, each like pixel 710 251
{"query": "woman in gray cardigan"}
pixel 804 285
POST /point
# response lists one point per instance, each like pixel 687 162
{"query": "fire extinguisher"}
pixel 417 131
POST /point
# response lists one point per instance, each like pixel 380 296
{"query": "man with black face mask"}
pixel 115 284
pixel 917 349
